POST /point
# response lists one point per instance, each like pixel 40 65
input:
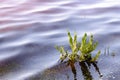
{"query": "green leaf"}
pixel 61 50
pixel 72 57
pixel 64 53
pixel 58 48
pixel 75 39
pixel 75 44
pixel 91 40
pixel 84 39
pixel 70 40
pixel 82 58
pixel 96 56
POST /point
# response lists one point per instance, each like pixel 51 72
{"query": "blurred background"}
pixel 29 30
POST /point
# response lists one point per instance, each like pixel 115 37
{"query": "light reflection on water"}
pixel 29 30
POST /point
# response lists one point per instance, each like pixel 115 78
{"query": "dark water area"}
pixel 29 30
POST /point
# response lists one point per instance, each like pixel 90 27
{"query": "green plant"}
pixel 86 48
pixel 72 56
pixel 80 51
pixel 63 54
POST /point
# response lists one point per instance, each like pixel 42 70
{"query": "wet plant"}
pixel 73 55
pixel 86 48
pixel 80 51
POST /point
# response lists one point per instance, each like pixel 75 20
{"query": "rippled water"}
pixel 29 30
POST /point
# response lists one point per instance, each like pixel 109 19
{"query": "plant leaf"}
pixel 75 43
pixel 70 40
pixel 96 56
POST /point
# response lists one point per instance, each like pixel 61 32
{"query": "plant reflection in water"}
pixel 85 68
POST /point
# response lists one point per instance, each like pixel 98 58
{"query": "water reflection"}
pixel 30 28
pixel 107 52
pixel 85 68
pixel 73 69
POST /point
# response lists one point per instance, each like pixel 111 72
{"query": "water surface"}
pixel 29 30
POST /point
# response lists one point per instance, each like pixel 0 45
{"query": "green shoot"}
pixel 80 51
pixel 87 47
pixel 73 43
pixel 64 54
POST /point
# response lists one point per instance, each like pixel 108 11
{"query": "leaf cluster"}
pixel 80 51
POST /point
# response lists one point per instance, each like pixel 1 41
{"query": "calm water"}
pixel 29 30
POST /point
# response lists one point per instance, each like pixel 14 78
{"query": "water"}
pixel 29 30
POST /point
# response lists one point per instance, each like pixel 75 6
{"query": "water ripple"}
pixel 29 30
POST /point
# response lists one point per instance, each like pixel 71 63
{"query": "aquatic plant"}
pixel 87 47
pixel 73 45
pixel 80 51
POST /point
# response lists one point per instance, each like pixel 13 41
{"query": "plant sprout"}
pixel 87 47
pixel 72 56
pixel 80 51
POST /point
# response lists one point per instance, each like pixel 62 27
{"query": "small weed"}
pixel 80 51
